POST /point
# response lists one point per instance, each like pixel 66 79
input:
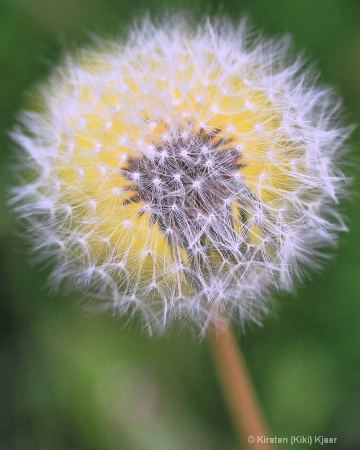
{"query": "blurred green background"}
pixel 70 380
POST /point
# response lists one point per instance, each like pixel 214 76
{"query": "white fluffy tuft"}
pixel 184 173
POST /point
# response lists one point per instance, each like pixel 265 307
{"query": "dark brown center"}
pixel 187 184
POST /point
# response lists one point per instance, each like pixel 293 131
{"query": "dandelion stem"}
pixel 238 388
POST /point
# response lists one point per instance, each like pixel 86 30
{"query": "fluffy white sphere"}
pixel 183 173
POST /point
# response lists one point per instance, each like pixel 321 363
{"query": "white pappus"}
pixel 182 173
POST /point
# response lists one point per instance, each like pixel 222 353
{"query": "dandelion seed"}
pixel 185 173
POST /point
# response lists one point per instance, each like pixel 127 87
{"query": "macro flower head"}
pixel 183 172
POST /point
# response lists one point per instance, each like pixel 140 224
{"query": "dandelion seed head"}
pixel 185 173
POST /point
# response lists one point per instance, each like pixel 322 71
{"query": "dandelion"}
pixel 184 173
